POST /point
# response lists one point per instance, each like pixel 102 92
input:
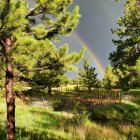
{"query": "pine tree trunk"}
pixel 10 99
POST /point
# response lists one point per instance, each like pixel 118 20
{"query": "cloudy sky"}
pixel 98 17
pixel 94 31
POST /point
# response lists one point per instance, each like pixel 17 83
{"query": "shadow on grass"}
pixel 32 134
pixel 46 127
pixel 120 117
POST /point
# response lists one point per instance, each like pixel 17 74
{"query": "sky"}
pixel 98 17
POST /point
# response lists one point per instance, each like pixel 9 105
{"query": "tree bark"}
pixel 10 99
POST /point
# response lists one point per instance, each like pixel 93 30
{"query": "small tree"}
pixel 57 63
pixel 110 79
pixel 127 77
pixel 88 77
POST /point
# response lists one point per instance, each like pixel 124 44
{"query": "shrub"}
pixel 117 112
pixel 80 114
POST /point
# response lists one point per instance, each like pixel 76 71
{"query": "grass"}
pixel 43 123
pixel 135 90
pixel 36 123
pixel 136 94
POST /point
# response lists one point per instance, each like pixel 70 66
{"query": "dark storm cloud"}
pixel 98 17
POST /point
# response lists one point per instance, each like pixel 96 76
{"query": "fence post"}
pixel 119 96
pixel 115 96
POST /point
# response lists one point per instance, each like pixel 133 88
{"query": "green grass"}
pixel 34 123
pixel 38 123
pixel 135 92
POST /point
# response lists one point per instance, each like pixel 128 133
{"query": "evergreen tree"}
pixel 127 77
pixel 128 44
pixel 59 62
pixel 88 77
pixel 64 81
pixel 18 24
pixel 110 79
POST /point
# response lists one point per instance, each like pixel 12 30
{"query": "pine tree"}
pixel 23 30
pixel 12 22
pixel 88 77
pixel 64 81
pixel 110 79
pixel 128 44
pixel 59 62
pixel 127 77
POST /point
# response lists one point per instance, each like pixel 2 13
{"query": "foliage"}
pixel 31 39
pixel 127 77
pixel 138 69
pixel 80 113
pixel 110 79
pixel 24 34
pixel 128 44
pixel 88 77
pixel 64 81
pixel 1 82
pixel 119 113
pixel 52 69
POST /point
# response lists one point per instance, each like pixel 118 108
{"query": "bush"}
pixel 117 112
pixel 59 105
pixel 80 114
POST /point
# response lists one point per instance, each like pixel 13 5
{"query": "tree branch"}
pixel 33 11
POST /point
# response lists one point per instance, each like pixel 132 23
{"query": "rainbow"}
pixel 90 52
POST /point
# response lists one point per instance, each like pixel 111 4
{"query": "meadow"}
pixel 65 117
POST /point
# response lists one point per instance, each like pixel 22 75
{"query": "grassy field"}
pixel 101 123
pixel 134 91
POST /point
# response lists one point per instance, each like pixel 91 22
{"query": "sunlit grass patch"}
pixel 40 123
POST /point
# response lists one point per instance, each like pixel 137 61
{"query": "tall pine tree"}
pixel 128 44
pixel 19 23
